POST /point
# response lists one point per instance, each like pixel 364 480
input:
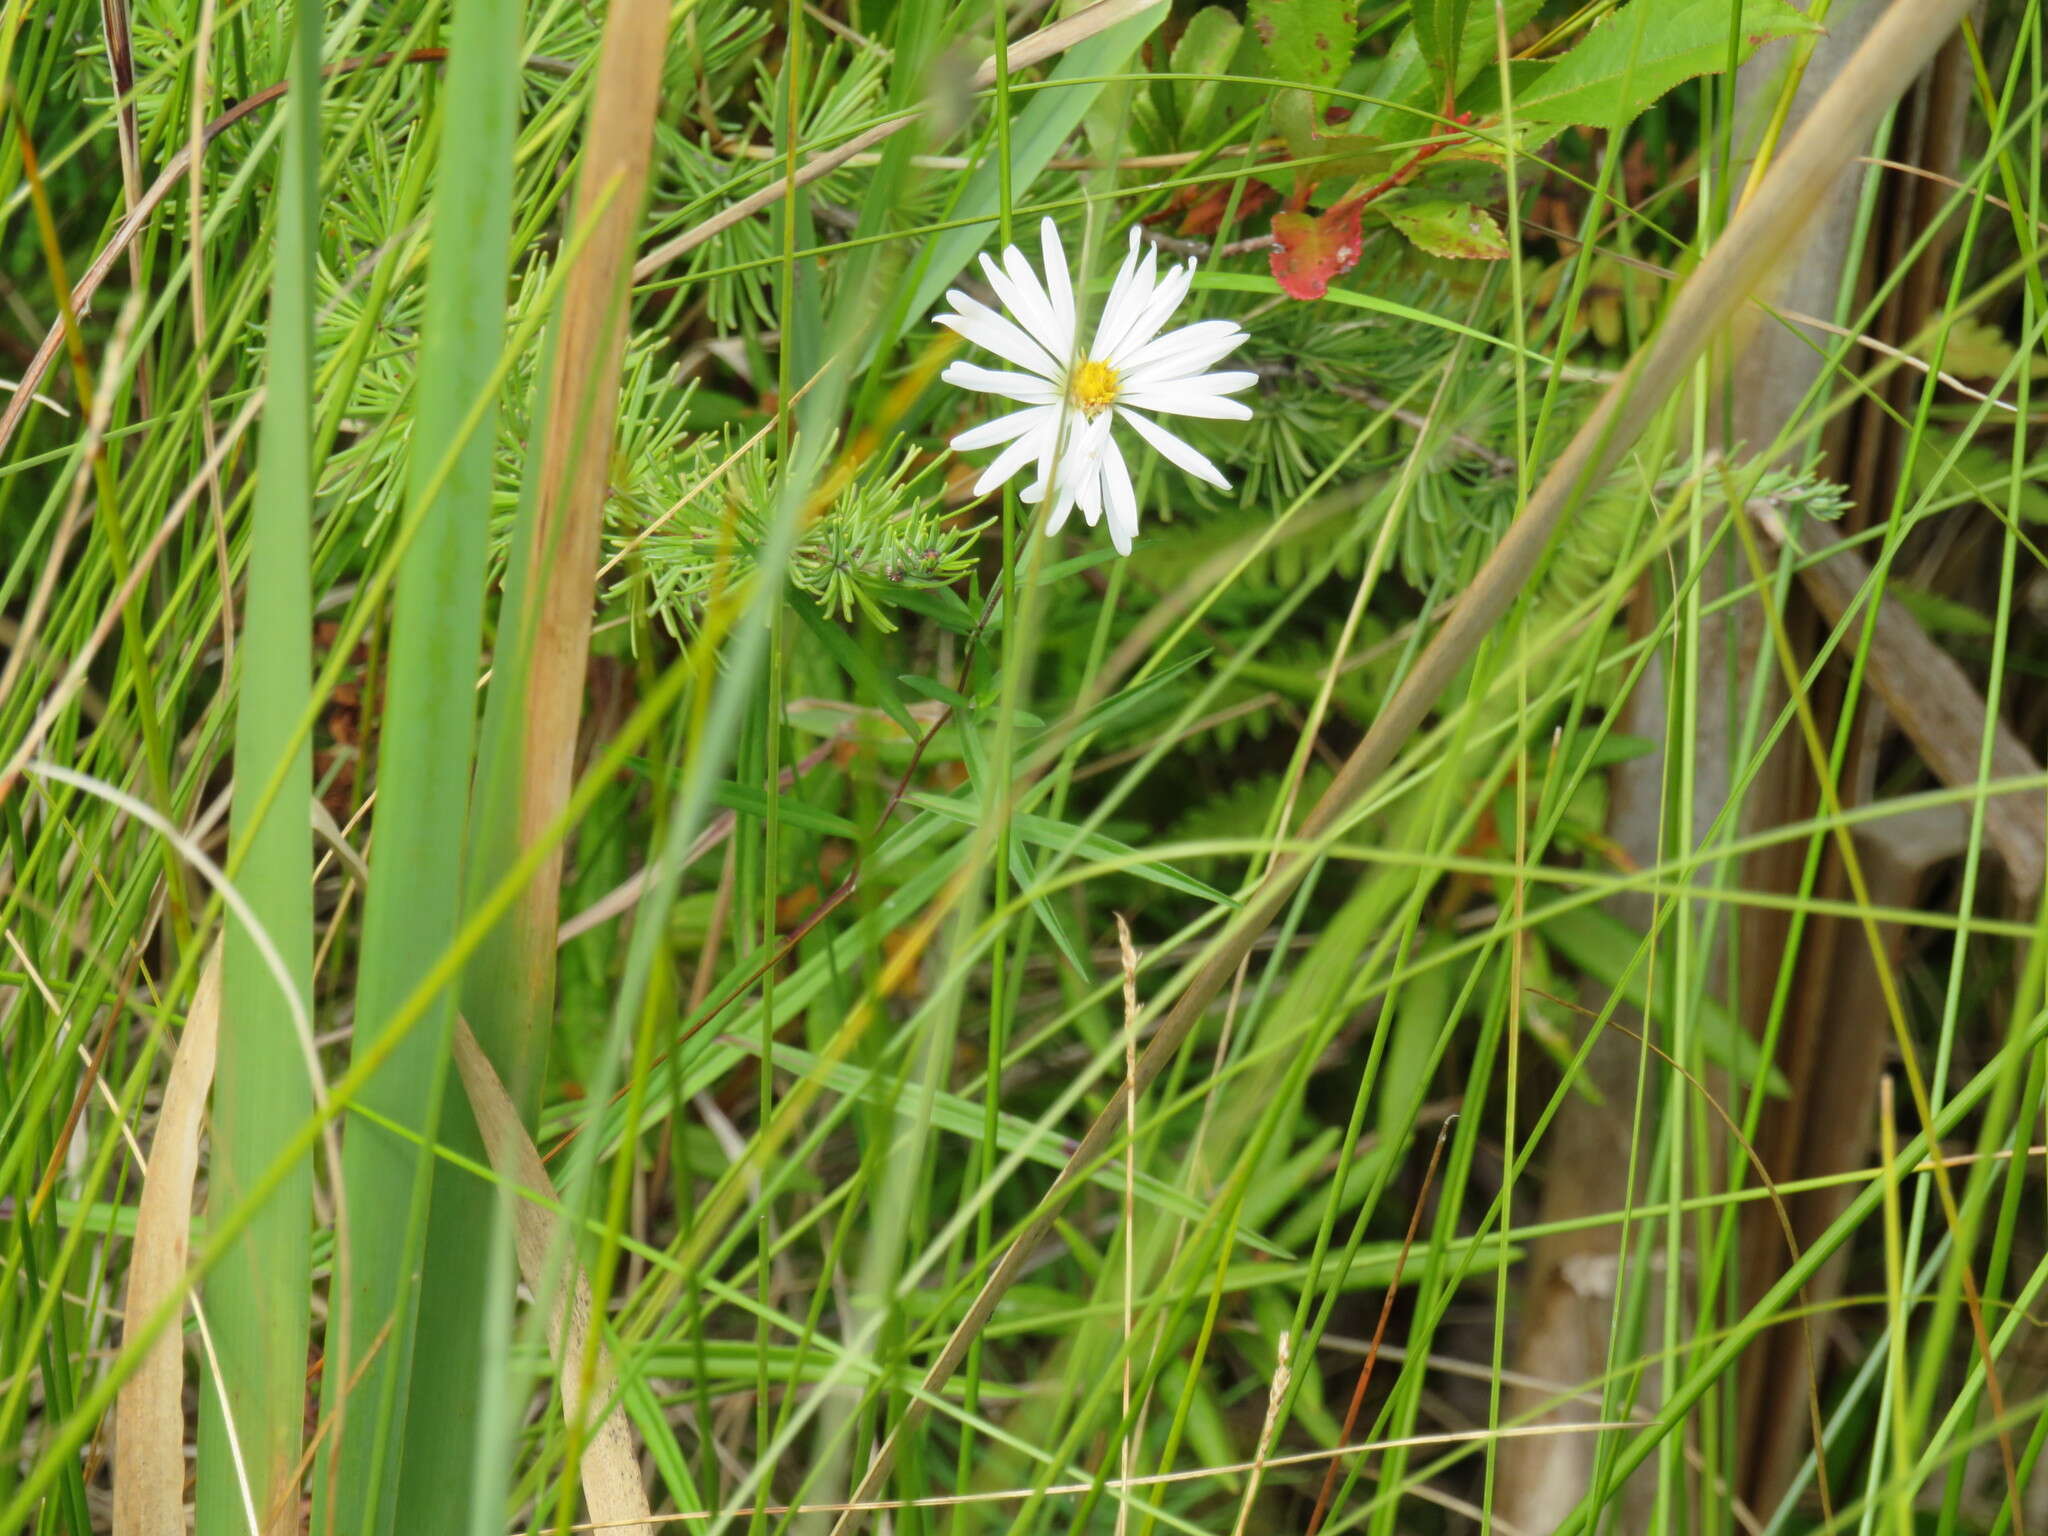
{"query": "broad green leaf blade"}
pixel 1443 228
pixel 1640 52
pixel 525 772
pixel 413 903
pixel 260 1297
pixel 1440 33
pixel 1308 42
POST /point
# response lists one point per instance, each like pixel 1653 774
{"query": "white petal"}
pixel 1187 350
pixel 1158 310
pixel 1094 438
pixel 1046 328
pixel 1089 494
pixel 1081 466
pixel 1061 506
pixel 1059 286
pixel 1021 296
pixel 1214 407
pixel 1200 384
pixel 1078 465
pixel 1065 426
pixel 1119 292
pixel 1123 309
pixel 985 328
pixel 1025 387
pixel 1173 450
pixel 1002 429
pixel 1011 459
pixel 1120 497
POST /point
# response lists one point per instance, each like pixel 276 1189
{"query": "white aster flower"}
pixel 1072 397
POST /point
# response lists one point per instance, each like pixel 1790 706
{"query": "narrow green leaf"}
pixel 1373 1266
pixel 942 605
pixel 413 904
pixel 1154 692
pixel 1423 1014
pixel 1025 873
pixel 959 1116
pixel 750 800
pixel 933 689
pixel 868 679
pixel 1044 832
pixel 260 1296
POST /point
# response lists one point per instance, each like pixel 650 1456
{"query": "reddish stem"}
pixel 1403 174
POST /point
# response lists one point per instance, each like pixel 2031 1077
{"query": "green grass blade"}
pixel 411 910
pixel 262 1094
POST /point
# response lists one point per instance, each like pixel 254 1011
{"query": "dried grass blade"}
pixel 536 696
pixel 149 1416
pixel 611 1468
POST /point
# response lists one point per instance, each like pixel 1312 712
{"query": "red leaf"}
pixel 1310 251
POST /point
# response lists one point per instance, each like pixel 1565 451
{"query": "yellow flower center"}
pixel 1092 388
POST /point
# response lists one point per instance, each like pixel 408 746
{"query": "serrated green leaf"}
pixel 1410 84
pixel 1642 51
pixel 1440 31
pixel 1309 42
pixel 1450 229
